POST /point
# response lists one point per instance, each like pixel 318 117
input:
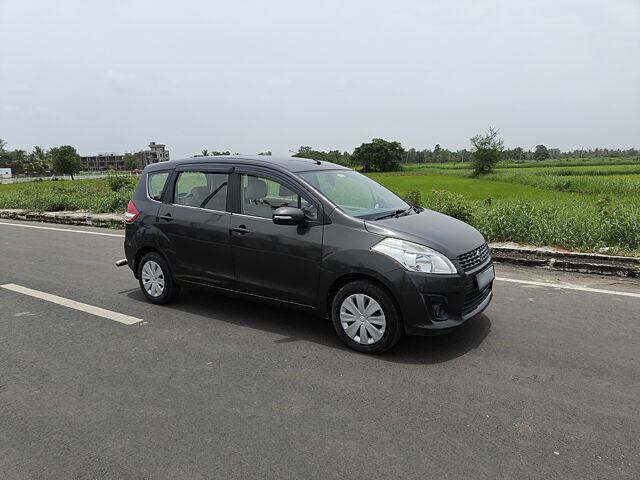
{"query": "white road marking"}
pixel 502 279
pixel 71 230
pixel 568 287
pixel 83 307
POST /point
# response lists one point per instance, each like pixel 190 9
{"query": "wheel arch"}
pixel 343 280
pixel 142 251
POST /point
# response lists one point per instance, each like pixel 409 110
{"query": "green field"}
pixel 582 205
pixel 577 204
pixel 618 176
pixel 471 188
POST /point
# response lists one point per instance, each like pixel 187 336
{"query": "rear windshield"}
pixel 156 181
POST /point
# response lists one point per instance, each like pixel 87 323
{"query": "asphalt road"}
pixel 545 385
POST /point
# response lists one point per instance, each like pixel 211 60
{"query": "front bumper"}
pixel 434 304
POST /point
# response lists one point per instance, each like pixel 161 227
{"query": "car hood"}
pixel 445 234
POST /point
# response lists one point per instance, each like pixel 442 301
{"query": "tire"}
pixel 378 328
pixel 156 282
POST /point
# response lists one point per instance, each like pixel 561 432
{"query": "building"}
pixel 102 162
pixel 156 153
pixel 115 161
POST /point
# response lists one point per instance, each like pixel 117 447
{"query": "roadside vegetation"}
pixel 570 221
pixel 582 207
pixel 108 195
pixel 584 199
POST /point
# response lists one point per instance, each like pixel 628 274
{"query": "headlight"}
pixel 414 257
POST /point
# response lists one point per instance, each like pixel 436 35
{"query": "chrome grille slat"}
pixel 470 260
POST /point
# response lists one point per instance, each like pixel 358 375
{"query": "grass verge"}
pixel 91 195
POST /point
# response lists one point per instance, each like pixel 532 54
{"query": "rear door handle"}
pixel 241 229
pixel 167 217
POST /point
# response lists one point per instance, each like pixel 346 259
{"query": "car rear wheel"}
pixel 366 317
pixel 155 279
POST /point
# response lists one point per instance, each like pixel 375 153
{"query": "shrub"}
pixel 414 197
pixel 118 182
pixel 115 202
pixel 451 204
pixel 581 226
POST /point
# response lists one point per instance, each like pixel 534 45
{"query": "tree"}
pixel 436 152
pixel 131 162
pixel 212 153
pixel 517 153
pixel 541 153
pixel 37 161
pixel 65 160
pixel 267 153
pixel 487 150
pixel 308 152
pixel 556 153
pixel 16 160
pixel 462 155
pixel 378 155
pixel 334 156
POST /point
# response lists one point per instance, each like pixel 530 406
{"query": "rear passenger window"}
pixel 156 183
pixel 202 189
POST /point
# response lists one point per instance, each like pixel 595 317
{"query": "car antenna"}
pixel 318 162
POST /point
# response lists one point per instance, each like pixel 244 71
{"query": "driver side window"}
pixel 261 196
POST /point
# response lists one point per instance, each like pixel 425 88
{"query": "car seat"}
pixel 254 198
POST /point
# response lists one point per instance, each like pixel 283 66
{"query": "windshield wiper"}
pixel 396 213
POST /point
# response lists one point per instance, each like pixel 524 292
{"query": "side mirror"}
pixel 288 216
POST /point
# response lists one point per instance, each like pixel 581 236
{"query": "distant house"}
pixel 5 173
pixel 115 161
pixel 156 153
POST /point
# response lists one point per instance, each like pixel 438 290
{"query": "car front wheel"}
pixel 366 317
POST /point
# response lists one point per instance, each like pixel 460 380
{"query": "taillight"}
pixel 132 213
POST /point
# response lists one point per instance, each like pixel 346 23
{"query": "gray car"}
pixel 312 235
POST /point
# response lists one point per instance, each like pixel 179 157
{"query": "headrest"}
pixel 195 191
pixel 199 194
pixel 256 188
pixel 285 192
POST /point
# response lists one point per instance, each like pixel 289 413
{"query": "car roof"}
pixel 292 164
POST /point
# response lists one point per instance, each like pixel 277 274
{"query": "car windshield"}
pixel 356 194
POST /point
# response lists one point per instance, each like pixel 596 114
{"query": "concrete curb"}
pixel 105 220
pixel 541 257
pixel 560 259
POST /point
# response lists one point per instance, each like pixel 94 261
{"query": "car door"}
pixel 196 221
pixel 275 261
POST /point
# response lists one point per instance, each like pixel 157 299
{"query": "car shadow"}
pixel 295 325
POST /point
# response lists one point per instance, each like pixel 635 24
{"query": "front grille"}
pixel 473 298
pixel 470 260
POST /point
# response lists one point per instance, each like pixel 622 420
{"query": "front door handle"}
pixel 241 229
pixel 166 217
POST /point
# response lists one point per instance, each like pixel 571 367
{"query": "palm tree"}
pixel 39 160
pixel 39 153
